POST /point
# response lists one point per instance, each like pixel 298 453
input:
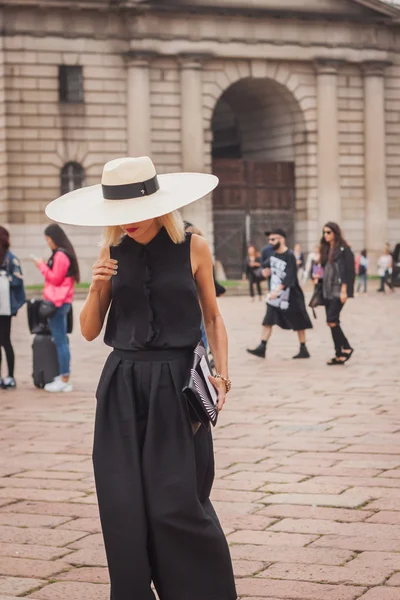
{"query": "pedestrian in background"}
pixel 12 298
pixel 362 271
pixel 385 268
pixel 266 253
pixel 60 273
pixel 338 262
pixel 253 271
pixel 300 261
pixel 313 258
pixel 219 289
pixel 267 250
pixel 285 304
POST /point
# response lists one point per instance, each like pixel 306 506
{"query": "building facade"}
pixel 295 105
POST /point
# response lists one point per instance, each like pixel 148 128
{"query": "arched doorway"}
pixel 259 143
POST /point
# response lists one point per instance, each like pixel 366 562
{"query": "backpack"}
pixel 5 298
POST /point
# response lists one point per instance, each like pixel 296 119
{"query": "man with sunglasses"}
pixel 285 302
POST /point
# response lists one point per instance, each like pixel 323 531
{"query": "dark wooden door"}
pixel 252 197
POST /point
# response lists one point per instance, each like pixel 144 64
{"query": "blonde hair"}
pixel 172 222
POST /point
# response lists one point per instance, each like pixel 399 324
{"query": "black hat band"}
pixel 131 190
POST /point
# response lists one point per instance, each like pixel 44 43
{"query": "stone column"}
pixel 376 203
pixel 4 203
pixel 329 200
pixel 138 104
pixel 192 135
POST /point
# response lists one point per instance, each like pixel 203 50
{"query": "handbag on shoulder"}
pixel 5 298
pixel 317 299
pixel 258 275
pixel 199 392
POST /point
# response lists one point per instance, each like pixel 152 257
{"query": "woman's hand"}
pixel 38 261
pixel 102 271
pixel 220 387
pixel 343 296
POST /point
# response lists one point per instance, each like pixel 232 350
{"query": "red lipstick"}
pixel 131 229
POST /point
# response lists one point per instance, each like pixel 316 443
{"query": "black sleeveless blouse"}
pixel 154 296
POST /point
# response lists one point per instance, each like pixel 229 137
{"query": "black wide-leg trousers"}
pixel 153 481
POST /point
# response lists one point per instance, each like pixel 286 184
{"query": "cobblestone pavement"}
pixel 308 478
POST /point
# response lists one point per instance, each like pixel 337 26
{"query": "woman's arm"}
pixel 58 273
pixel 202 267
pixel 349 273
pixel 15 273
pixel 99 298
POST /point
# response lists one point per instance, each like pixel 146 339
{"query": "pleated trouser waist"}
pixel 153 355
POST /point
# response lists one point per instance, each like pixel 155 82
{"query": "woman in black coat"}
pixel 337 259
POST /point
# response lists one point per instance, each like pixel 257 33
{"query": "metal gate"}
pixel 252 197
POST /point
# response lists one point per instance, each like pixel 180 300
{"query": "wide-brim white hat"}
pixel 130 192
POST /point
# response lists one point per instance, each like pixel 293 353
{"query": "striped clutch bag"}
pixel 200 393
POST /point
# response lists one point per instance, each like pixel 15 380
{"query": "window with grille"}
pixel 72 177
pixel 70 80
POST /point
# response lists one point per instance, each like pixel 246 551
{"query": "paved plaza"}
pixel 308 466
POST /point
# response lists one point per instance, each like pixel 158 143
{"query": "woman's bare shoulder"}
pixel 200 245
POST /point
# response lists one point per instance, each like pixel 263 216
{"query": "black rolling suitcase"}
pixel 45 361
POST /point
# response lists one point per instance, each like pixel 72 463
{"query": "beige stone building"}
pixel 295 104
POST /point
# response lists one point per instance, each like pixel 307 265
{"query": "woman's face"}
pixel 50 242
pixel 328 234
pixel 137 231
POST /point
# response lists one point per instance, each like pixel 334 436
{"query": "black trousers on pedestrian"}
pixel 5 342
pixel 255 282
pixel 386 280
pixel 153 481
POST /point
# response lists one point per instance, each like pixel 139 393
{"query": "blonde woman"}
pixel 153 476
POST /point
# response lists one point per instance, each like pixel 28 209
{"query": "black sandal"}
pixel 347 355
pixel 335 361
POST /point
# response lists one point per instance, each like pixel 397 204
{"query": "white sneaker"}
pixel 58 385
pixel 8 383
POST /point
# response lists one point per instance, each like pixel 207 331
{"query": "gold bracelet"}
pixel 228 382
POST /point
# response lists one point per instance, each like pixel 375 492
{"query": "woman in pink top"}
pixel 60 274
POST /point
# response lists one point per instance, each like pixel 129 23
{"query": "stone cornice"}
pixel 104 5
pixel 387 14
pixel 379 13
pixel 265 51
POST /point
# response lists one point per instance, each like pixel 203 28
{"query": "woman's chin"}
pixel 133 233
